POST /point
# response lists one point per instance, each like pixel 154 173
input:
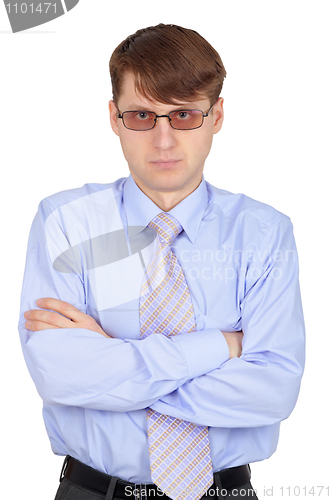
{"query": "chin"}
pixel 166 181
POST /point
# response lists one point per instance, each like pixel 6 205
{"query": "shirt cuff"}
pixel 204 351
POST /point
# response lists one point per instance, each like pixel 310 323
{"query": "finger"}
pixel 36 326
pixel 61 307
pixel 49 317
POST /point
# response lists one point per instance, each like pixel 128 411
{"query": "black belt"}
pixel 91 479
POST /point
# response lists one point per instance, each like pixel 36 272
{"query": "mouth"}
pixel 166 164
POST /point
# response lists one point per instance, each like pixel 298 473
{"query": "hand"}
pixel 234 341
pixel 69 317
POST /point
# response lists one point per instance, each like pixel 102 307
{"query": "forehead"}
pixel 133 100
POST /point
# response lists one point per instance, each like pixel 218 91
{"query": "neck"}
pixel 167 200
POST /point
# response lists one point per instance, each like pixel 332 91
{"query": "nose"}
pixel 164 134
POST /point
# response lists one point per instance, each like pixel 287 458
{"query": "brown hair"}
pixel 170 64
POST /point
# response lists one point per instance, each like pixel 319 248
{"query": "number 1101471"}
pixel 24 8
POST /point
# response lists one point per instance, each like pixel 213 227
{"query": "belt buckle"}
pixel 139 492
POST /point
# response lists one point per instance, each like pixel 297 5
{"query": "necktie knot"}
pixel 166 226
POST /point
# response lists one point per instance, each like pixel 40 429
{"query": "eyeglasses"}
pixel 182 119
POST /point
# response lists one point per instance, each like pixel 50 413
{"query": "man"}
pixel 168 338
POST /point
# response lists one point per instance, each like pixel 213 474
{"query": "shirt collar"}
pixel 140 209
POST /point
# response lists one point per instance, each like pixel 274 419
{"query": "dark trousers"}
pixel 69 491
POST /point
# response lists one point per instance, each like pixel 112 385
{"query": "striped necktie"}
pixel 179 451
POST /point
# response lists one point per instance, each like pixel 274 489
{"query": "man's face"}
pixel 165 160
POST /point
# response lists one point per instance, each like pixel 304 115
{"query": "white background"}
pixel 275 146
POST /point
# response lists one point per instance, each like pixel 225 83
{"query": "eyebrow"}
pixel 135 107
pixel 179 107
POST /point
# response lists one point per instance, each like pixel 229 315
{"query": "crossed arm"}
pixel 55 313
pixel 188 376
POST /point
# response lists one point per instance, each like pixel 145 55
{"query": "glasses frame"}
pixel 204 115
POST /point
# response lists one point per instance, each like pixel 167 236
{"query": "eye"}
pixel 183 115
pixel 143 115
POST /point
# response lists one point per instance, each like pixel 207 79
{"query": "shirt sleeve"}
pixel 261 387
pixel 79 367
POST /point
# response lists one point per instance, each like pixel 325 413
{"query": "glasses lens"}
pixel 139 120
pixel 186 119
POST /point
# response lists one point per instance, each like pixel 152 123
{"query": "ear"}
pixel 114 117
pixel 218 115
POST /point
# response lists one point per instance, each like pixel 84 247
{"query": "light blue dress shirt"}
pixel 89 247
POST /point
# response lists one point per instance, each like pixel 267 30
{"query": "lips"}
pixel 166 163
